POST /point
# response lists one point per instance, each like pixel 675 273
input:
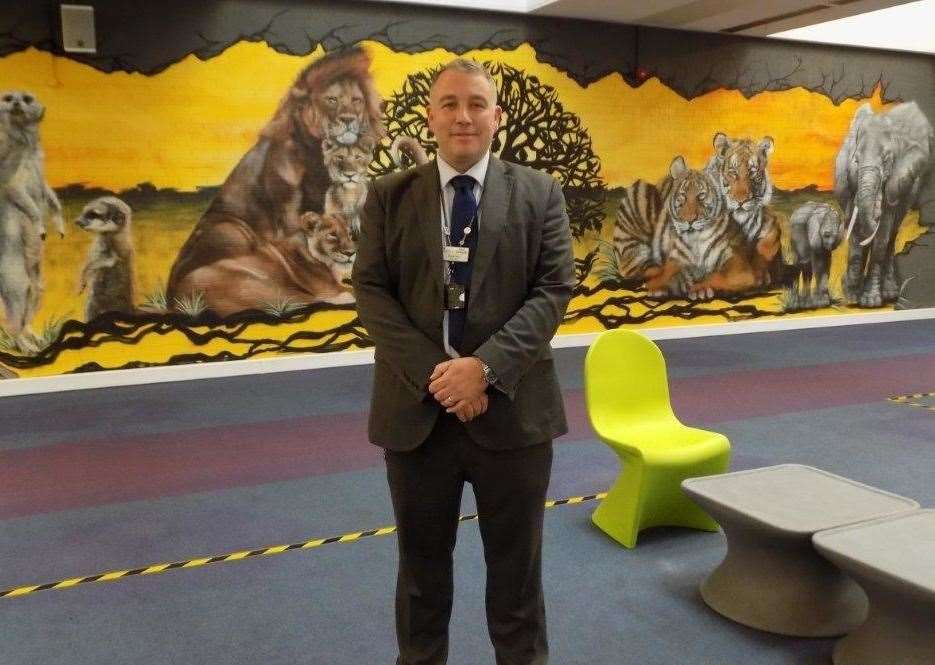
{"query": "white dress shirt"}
pixel 445 173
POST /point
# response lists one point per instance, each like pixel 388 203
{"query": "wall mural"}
pixel 209 211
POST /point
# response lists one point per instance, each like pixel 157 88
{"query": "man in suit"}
pixel 463 273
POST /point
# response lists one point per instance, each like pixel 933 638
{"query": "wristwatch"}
pixel 489 376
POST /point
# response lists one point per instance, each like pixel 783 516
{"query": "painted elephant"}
pixel 815 230
pixel 877 176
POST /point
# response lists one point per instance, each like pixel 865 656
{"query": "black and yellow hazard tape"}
pixel 917 400
pixel 246 554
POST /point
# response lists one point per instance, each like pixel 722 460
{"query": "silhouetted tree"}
pixel 537 131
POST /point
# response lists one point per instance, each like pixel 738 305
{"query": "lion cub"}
pixel 347 169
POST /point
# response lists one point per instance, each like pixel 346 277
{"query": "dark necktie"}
pixel 462 216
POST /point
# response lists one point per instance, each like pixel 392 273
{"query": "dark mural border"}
pixel 146 37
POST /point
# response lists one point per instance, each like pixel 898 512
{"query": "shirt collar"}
pixel 479 171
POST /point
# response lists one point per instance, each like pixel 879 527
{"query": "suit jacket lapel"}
pixel 494 205
pixel 427 195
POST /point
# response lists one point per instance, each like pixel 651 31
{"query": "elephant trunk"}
pixel 869 202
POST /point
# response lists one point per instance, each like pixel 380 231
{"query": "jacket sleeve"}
pixel 512 350
pixel 409 352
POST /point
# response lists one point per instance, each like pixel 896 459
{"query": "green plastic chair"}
pixel 627 397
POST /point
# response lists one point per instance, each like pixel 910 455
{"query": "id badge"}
pixel 456 254
pixel 455 297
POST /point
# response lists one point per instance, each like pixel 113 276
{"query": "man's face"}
pixel 463 116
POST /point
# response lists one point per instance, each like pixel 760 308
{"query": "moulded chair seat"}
pixel 627 397
pixel 663 441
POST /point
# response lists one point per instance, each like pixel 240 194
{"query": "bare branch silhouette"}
pixel 538 132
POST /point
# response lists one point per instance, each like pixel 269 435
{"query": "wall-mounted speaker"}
pixel 78 29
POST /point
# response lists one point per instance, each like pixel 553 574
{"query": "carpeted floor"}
pixel 117 479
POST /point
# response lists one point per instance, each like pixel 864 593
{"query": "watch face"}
pixel 489 376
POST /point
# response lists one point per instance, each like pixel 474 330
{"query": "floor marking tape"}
pixel 245 554
pixel 913 400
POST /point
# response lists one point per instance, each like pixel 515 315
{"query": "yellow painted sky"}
pixel 190 124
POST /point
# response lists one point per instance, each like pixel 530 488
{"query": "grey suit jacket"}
pixel 522 281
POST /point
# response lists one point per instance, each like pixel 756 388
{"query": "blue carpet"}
pixel 333 605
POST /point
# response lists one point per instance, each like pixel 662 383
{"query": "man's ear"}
pixel 429 119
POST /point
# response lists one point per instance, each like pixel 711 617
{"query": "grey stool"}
pixel 893 560
pixel 772 578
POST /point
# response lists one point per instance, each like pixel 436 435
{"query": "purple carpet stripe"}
pixel 711 399
pixel 78 474
pixel 83 473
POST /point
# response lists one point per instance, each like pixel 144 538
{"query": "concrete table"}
pixel 893 560
pixel 772 578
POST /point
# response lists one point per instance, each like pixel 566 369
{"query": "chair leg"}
pixel 619 514
pixel 667 505
pixel 646 495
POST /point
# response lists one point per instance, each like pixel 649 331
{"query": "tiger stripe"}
pixel 198 562
pixel 709 246
pixel 680 222
pixel 639 208
pixel 743 164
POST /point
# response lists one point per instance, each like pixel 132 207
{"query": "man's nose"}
pixel 462 115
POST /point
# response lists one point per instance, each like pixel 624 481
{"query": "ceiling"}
pixel 735 16
pixel 902 24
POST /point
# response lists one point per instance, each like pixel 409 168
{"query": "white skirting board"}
pixel 128 377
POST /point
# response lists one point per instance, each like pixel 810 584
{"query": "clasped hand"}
pixel 459 386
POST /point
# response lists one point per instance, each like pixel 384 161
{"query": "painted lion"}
pixel 284 173
pixel 309 266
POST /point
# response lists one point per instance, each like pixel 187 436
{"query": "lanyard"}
pixel 446 229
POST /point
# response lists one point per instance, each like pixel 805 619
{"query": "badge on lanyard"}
pixel 455 296
pixel 456 254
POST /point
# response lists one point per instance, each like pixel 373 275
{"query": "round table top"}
pixel 794 498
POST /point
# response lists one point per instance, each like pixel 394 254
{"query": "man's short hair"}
pixel 468 66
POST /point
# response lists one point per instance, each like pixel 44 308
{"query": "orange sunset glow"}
pixel 189 125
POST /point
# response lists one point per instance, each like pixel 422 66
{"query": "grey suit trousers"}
pixel 510 487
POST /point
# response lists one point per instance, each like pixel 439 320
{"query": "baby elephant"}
pixel 815 230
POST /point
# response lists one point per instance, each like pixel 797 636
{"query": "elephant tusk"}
pixel 850 225
pixel 875 229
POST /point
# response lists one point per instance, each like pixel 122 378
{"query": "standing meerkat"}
pixel 25 201
pixel 109 269
pixel 22 170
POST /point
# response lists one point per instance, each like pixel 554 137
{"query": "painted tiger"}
pixel 740 169
pixel 679 238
